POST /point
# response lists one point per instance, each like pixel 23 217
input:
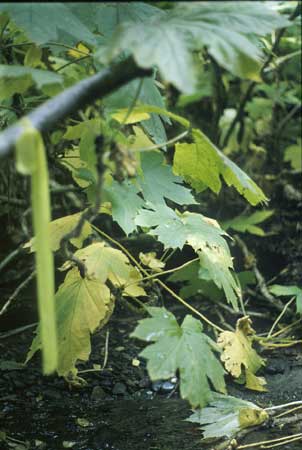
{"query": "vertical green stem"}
pixel 31 160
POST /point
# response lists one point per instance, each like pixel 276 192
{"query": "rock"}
pixel 167 386
pixel 119 389
pixel 97 394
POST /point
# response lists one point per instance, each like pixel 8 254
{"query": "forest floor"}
pixel 120 408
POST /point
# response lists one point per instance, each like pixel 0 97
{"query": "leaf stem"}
pixel 163 285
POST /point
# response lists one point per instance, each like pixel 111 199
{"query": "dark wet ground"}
pixel 120 409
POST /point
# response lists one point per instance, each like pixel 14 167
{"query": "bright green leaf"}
pixel 247 223
pixel 292 291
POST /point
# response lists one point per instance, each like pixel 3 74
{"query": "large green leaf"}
pixel 201 164
pixel 203 235
pixel 45 22
pixel 167 40
pixel 185 348
pixel 125 203
pixel 150 95
pixel 158 181
pixel 18 79
pixel 82 305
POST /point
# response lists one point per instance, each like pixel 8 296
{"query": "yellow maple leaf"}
pixel 239 357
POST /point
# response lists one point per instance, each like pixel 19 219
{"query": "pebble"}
pixel 119 389
pixel 97 394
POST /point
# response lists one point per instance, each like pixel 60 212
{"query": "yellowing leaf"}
pixel 134 117
pixel 59 227
pixel 79 51
pixel 238 355
pixel 106 263
pixel 33 56
pixel 82 306
pixel 75 164
pixel 150 260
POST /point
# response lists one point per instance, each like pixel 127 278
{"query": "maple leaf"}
pixel 158 181
pixel 59 227
pixel 226 415
pixel 82 306
pixel 105 263
pixel 201 164
pixel 239 358
pixel 185 348
pixel 125 203
pixel 150 260
pixel 204 235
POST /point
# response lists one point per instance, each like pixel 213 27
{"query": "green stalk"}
pixel 31 160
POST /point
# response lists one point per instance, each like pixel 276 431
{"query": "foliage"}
pixel 239 358
pixel 227 415
pixel 130 169
pixel 185 348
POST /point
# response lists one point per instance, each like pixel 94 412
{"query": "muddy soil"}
pixel 120 408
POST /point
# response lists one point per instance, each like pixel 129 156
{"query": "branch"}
pixel 70 100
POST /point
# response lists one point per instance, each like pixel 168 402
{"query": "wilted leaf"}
pixel 105 263
pixel 82 305
pixel 185 348
pixel 59 227
pixel 150 260
pixel 227 415
pixel 238 355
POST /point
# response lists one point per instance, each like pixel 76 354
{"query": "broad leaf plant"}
pixel 118 154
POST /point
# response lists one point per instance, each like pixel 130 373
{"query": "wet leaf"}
pixel 185 348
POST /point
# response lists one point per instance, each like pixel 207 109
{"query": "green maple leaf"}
pixel 228 32
pixel 201 164
pixel 125 203
pixel 158 181
pixel 185 348
pixel 203 235
pixel 82 305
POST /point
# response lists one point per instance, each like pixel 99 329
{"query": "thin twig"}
pixel 16 292
pixel 17 330
pixel 280 316
pixel 163 285
pixel 282 441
